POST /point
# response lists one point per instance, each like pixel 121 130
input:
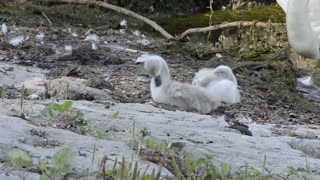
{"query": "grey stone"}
pixel 18 133
pixel 19 74
pixel 190 133
pixel 76 88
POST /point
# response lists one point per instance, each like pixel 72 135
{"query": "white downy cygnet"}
pixel 220 83
pixel 303 26
pixel 164 90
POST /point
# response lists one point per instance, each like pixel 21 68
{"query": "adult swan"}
pixel 303 26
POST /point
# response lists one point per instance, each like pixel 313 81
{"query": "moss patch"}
pixel 261 13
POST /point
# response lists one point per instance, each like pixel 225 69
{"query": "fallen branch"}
pixel 225 26
pixel 119 10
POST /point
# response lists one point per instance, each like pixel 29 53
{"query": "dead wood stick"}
pixel 226 26
pixel 119 10
pixel 47 18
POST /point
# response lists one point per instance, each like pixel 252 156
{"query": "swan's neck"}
pixel 164 77
pixel 301 36
pixel 160 84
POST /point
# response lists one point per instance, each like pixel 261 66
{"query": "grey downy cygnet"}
pixel 164 90
pixel 220 83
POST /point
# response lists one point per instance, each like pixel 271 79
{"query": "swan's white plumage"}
pixel 164 90
pixel 307 80
pixel 4 28
pixel 225 91
pixel 219 82
pixel 303 26
pixel 283 4
pixel 314 13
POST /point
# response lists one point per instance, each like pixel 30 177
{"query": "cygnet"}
pixel 220 83
pixel 164 90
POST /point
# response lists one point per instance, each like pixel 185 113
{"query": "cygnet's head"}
pixel 225 72
pixel 222 70
pixel 153 67
pixel 201 76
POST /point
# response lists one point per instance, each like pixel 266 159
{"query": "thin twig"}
pixel 235 24
pixel 47 18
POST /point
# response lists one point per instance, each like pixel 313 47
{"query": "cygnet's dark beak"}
pixel 138 62
pixel 157 81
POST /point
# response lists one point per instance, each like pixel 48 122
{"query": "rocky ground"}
pixel 109 92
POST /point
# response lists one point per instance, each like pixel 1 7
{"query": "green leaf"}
pixel 61 108
pixel 20 158
pixel 225 168
pixel 163 146
pixel 50 112
pixel 44 177
pixel 152 144
pixel 56 176
pixel 66 105
pixel 64 160
pixel 196 163
pixel 43 167
pixel 144 177
pixel 57 107
pixel 116 114
pixel 99 134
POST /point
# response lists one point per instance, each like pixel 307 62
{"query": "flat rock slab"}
pixel 14 75
pixel 41 143
pixel 202 134
pixel 190 133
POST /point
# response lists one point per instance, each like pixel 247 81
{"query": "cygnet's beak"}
pixel 157 81
pixel 143 58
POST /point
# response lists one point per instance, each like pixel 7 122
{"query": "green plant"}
pixel 64 107
pixel 116 115
pixel 53 109
pixel 127 171
pixel 22 93
pixel 133 139
pixel 152 144
pixel 253 173
pixel 3 91
pixel 83 122
pixel 62 163
pixel 99 134
pixel 59 108
pixel 20 158
pixel 203 168
pixel 292 174
pixel 92 160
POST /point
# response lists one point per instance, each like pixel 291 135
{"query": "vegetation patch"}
pixel 20 158
pixel 68 118
pixel 261 13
